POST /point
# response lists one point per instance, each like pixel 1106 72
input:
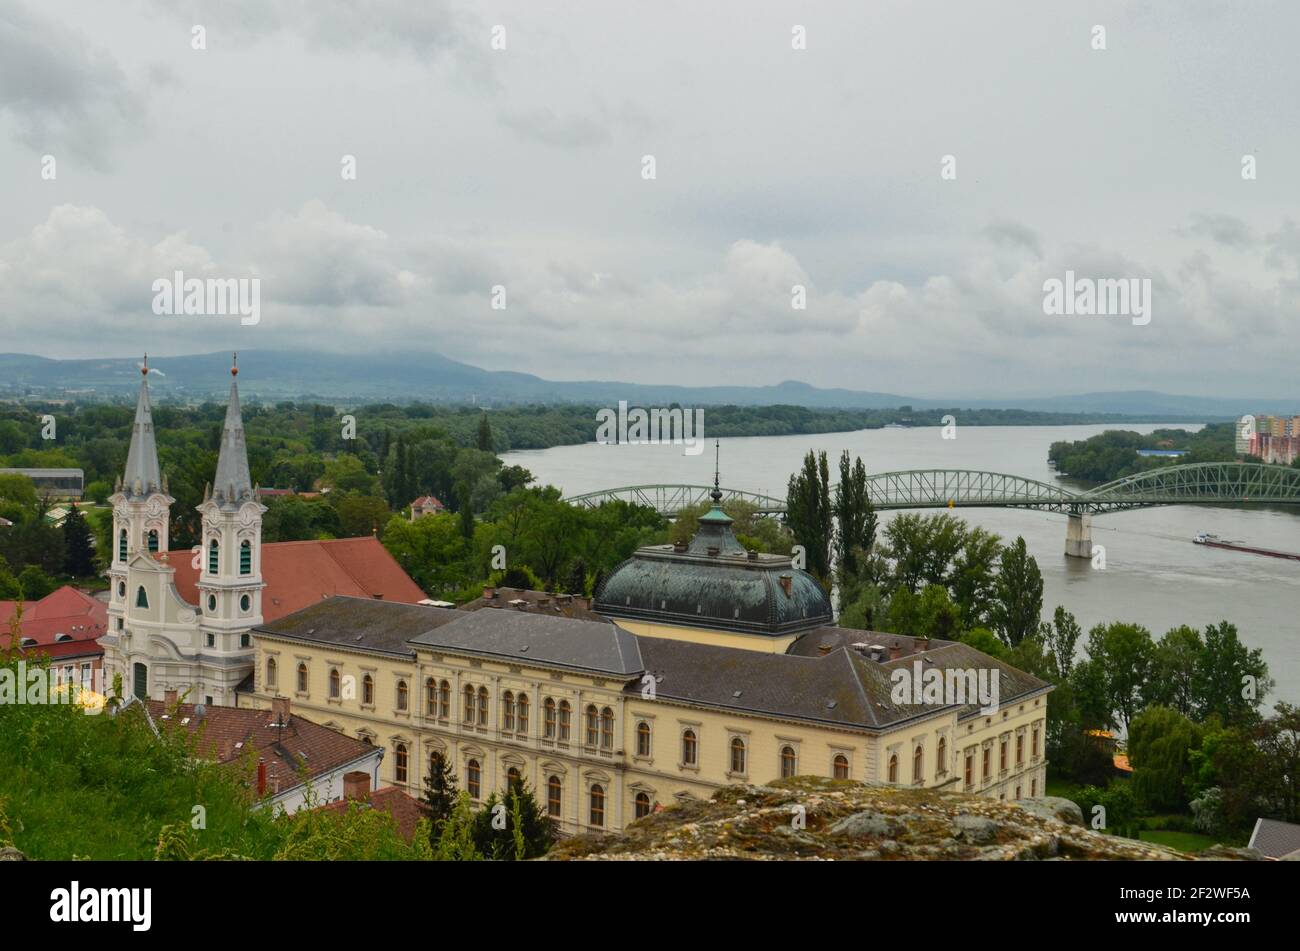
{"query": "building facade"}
pixel 610 719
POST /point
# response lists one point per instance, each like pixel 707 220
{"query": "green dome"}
pixel 713 582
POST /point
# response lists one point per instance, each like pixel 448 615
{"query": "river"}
pixel 1154 575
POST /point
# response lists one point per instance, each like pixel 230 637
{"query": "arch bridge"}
pixel 1205 483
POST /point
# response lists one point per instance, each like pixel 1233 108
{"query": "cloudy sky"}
pixel 523 167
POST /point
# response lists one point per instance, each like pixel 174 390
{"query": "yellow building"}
pixel 708 666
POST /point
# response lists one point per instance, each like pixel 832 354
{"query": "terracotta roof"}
pixel 299 574
pixel 406 810
pixel 64 611
pixel 224 735
pixel 428 500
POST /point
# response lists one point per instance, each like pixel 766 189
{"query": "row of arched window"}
pixel 245 557
pixel 150 542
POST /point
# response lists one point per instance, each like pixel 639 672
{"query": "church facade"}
pixel 181 620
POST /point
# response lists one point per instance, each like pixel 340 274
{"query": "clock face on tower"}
pixel 155 507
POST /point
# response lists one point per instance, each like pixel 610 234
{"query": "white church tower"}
pixel 141 511
pixel 230 580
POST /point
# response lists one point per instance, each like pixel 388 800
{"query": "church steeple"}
pixel 233 484
pixel 142 477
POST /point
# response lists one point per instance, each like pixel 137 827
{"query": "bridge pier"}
pixel 1078 536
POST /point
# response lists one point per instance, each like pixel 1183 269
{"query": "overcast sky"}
pixel 523 168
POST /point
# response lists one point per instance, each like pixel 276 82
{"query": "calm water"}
pixel 1154 575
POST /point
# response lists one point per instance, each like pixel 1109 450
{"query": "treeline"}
pixel 1114 453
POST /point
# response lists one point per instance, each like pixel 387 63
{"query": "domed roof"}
pixel 714 582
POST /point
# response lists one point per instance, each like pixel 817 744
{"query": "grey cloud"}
pixel 1225 229
pixel 60 92
pixel 543 126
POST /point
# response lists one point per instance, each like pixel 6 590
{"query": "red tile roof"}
pixel 225 734
pixel 64 612
pixel 298 574
pixel 405 809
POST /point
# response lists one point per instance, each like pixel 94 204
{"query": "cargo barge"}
pixel 1214 541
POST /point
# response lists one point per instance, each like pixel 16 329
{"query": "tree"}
pixel 1122 655
pixel 928 614
pixel 1017 594
pixel 513 827
pixel 78 553
pixel 923 548
pixel 484 438
pixel 973 577
pixel 577 583
pixel 1173 669
pixel 1160 742
pixel 1229 680
pixel 439 794
pixel 809 514
pixel 855 520
pixel 35 583
pixel 1061 635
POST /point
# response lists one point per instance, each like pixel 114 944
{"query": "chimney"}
pixel 895 650
pixel 877 652
pixel 261 777
pixel 787 582
pixel 714 549
pixel 752 555
pixel 378 596
pixel 920 644
pixel 169 697
pixel 542 602
pixel 356 785
pixel 679 545
pixel 489 592
pixel 279 711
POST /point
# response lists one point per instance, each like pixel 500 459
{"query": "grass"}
pixel 1183 841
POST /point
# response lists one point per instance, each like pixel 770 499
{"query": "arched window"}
pixel 245 557
pixel 473 779
pixel 737 755
pixel 121 546
pixel 302 678
pixel 918 765
pixel 508 711
pixel 482 706
pixel 271 672
pixel 430 697
pixel 941 758
pixel 840 766
pixel 690 748
pixel 548 718
pixel 566 718
pixel 368 690
pixel 607 729
pixel 403 695
pixel 151 539
pixel 469 704
pixel 335 682
pixel 141 599
pixel 788 763
pixel 642 805
pixel 513 778
pixel 643 738
pixel 214 557
pixel 893 767
pixel 553 796
pixel 597 804
pixel 444 700
pixel 399 763
pixel 521 712
pixel 593 725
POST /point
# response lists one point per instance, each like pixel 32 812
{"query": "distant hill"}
pixel 408 377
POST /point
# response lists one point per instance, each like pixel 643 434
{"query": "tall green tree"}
pixel 78 552
pixel 809 513
pixel 1061 637
pixel 439 794
pixel 1121 656
pixel 1229 679
pixel 1160 742
pixel 1017 594
pixel 483 439
pixel 1173 669
pixel 855 521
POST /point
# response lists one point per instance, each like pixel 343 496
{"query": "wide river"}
pixel 1154 575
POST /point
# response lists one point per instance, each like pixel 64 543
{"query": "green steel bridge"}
pixel 1205 483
